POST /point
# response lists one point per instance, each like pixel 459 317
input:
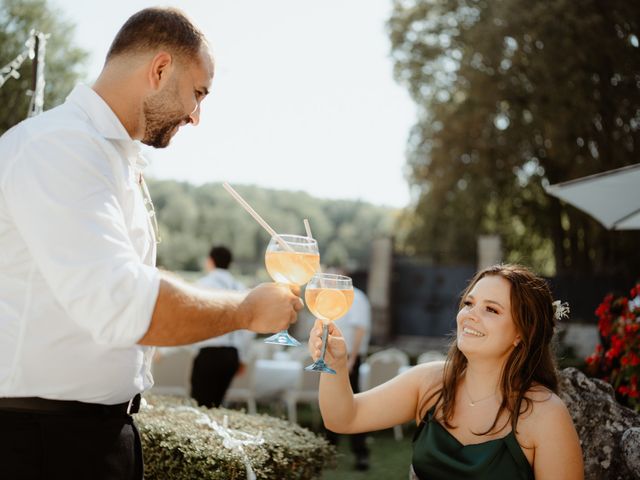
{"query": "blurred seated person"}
pixel 219 359
pixel 355 326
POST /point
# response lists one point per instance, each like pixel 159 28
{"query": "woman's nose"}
pixel 471 311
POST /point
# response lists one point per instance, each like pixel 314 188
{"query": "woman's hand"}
pixel 336 355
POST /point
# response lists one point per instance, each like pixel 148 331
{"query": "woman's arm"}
pixel 389 404
pixel 558 455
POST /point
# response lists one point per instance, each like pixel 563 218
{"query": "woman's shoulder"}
pixel 429 371
pixel 428 379
pixel 543 399
pixel 544 413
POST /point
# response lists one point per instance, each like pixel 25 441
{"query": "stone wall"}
pixel 609 433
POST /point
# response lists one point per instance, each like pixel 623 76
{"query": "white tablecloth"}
pixel 273 377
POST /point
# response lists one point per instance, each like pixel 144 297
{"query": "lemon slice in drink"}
pixel 331 304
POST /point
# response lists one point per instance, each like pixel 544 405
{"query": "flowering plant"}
pixel 617 357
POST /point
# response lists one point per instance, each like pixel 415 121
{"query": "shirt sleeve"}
pixel 62 194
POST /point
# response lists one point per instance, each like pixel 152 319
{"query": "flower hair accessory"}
pixel 560 310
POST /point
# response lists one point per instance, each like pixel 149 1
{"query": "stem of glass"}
pixel 325 334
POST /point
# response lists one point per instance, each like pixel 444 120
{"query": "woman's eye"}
pixel 492 310
pixel 467 303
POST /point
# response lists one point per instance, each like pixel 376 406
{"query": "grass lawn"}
pixel 390 459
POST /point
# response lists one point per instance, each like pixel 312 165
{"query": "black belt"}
pixel 67 407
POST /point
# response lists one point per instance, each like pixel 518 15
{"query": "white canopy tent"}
pixel 611 197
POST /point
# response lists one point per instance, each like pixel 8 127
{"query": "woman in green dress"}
pixel 490 410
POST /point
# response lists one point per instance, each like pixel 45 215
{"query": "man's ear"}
pixel 160 69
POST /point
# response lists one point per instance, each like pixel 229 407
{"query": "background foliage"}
pixel 514 95
pixel 64 62
pixel 192 218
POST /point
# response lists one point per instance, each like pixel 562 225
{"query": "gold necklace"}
pixel 472 402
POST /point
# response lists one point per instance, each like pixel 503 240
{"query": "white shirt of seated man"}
pixel 355 326
pixel 222 279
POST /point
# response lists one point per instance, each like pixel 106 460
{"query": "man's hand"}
pixel 270 307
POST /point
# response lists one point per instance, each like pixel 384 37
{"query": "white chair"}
pixel 431 356
pixel 383 366
pixel 171 371
pixel 306 392
pixel 261 350
pixel 242 388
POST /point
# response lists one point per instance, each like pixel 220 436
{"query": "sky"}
pixel 303 96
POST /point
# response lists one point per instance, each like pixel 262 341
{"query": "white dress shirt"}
pixel 77 278
pixel 221 279
pixel 358 316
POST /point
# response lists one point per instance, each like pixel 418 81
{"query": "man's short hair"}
pixel 154 28
pixel 221 256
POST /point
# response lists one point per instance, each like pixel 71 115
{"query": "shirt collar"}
pixel 106 122
pixel 101 115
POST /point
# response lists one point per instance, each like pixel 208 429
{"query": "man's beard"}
pixel 162 116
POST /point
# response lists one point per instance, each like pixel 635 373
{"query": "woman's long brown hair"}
pixel 531 362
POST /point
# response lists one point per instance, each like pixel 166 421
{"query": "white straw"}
pixel 307 227
pixel 257 217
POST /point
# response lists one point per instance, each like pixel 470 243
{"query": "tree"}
pixel 512 96
pixel 192 218
pixel 64 62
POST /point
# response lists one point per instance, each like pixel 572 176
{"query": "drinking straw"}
pixel 257 217
pixel 307 227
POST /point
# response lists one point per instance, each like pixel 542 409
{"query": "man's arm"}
pixel 185 314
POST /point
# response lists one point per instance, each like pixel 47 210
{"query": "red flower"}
pixel 617 358
pixel 592 359
pixel 612 354
pixel 631 329
pixel 604 325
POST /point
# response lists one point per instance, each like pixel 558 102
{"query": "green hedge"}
pixel 177 447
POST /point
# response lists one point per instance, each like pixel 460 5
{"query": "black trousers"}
pixel 213 370
pixel 36 446
pixel 358 440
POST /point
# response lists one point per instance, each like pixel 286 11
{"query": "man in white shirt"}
pixel 219 358
pixel 355 326
pixel 81 302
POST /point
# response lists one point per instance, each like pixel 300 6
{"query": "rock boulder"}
pixel 609 433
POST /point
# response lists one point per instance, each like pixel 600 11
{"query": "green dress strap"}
pixel 438 455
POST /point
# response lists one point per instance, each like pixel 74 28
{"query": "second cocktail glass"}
pixel 293 266
pixel 328 297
